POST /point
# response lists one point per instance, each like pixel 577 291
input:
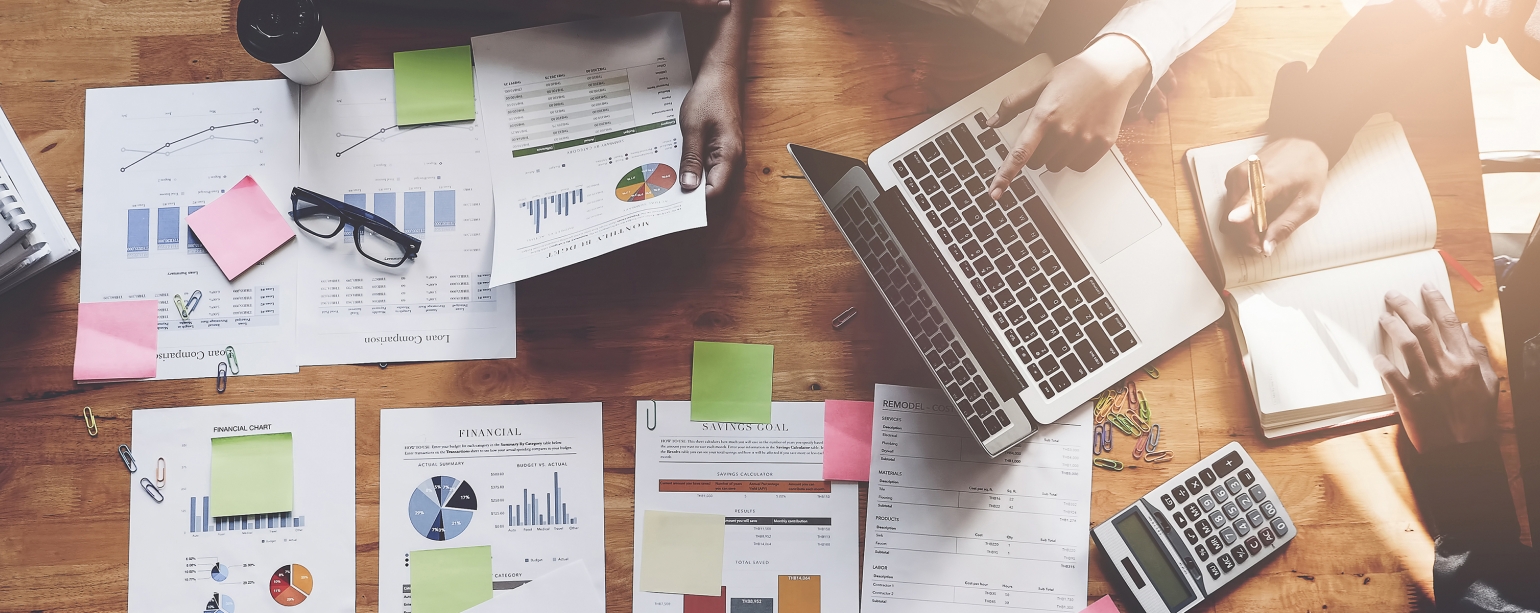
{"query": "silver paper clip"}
pixel 128 459
pixel 192 302
pixel 149 488
pixel 221 378
pixel 844 318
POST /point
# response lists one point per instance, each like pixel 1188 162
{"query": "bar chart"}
pixel 531 513
pixel 414 209
pixel 199 520
pixel 540 208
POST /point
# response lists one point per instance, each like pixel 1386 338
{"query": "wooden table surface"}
pixel 771 268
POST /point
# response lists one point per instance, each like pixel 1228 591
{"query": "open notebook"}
pixel 33 235
pixel 1307 318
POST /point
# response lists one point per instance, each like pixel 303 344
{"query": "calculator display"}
pixel 1136 534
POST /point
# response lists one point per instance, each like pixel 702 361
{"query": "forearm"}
pixel 1359 73
pixel 1464 491
pixel 726 38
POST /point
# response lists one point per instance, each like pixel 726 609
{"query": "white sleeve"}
pixel 1166 29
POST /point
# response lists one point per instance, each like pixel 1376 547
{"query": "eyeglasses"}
pixel 375 237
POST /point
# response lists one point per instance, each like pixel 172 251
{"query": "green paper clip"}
pixel 1107 463
pixel 1144 408
pixel 1153 372
pixel 1123 423
pixel 181 307
pixel 235 366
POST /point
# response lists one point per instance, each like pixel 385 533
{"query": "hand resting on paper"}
pixel 1448 395
pixel 713 132
pixel 1295 172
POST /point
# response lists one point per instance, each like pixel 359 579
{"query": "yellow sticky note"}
pixel 250 475
pixel 450 580
pixel 682 552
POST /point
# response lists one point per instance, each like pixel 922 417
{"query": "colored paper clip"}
pixel 1142 425
pixel 844 318
pixel 1139 445
pixel 128 459
pixel 1123 423
pixel 1159 457
pixel 235 366
pixel 221 378
pixel 1144 408
pixel 1106 438
pixel 1153 372
pixel 192 302
pixel 1096 440
pixel 1107 463
pixel 160 472
pixel 90 422
pixel 1154 438
pixel 181 307
pixel 149 488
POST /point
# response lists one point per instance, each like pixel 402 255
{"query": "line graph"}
pixel 209 131
pixel 378 134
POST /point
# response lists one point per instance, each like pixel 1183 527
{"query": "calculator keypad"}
pixel 1224 514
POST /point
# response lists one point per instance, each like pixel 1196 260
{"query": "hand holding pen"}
pixel 1288 174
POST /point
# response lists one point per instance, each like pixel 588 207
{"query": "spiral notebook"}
pixel 33 235
pixel 1307 318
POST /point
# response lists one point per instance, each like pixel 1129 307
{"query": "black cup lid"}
pixel 278 31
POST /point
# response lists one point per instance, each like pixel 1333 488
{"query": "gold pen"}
pixel 1258 203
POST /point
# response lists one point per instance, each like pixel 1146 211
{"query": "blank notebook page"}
pixel 1376 205
pixel 1312 339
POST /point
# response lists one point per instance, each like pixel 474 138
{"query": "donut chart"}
pixel 220 603
pixel 291 585
pixel 442 507
pixel 646 182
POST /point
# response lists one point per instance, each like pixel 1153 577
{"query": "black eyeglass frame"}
pixel 351 216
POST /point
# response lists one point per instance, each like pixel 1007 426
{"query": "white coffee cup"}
pixel 288 35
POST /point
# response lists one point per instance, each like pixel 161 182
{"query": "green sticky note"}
pixel 249 475
pixel 434 86
pixel 731 382
pixel 450 580
pixel 681 553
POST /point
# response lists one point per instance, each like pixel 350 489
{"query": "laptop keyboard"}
pixel 911 298
pixel 1021 266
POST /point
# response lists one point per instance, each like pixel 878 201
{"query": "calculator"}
pixel 1181 543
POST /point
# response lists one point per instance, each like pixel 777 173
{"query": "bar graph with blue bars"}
pixel 193 244
pixel 414 219
pixel 531 513
pixel 138 232
pixel 202 522
pixel 385 206
pixel 540 208
pixel 358 200
pixel 168 227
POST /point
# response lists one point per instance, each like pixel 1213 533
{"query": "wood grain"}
pixel 770 268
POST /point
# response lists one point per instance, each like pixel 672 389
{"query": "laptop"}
pixel 1027 308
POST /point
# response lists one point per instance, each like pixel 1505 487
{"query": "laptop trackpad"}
pixel 1101 207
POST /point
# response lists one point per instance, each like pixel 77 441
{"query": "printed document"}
pixel 156 154
pixel 526 480
pixel 791 537
pixel 949 529
pixel 183 558
pixel 431 182
pixel 583 136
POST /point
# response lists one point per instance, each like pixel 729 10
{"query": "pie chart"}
pixel 220 603
pixel 441 508
pixel 220 572
pixel 291 585
pixel 646 182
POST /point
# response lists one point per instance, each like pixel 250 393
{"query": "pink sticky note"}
pixel 240 228
pixel 1102 606
pixel 847 440
pixel 116 340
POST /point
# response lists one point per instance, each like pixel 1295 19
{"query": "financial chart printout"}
pixel 526 480
pixel 791 537
pixel 180 558
pixel 431 182
pixel 582 122
pixel 155 155
pixel 951 530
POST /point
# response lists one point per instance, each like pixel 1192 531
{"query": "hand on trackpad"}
pixel 1102 208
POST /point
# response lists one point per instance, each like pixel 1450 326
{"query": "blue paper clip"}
pixel 1096 440
pixel 1106 438
pixel 192 302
